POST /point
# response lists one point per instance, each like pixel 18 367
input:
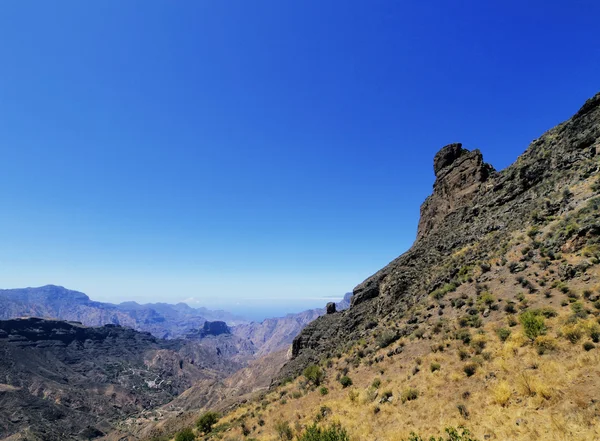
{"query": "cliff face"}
pixel 471 210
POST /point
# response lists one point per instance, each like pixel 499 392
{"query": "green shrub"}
pixel 346 381
pixel 185 435
pixel 206 422
pixel 323 390
pixel 335 432
pixel 376 383
pixel 435 367
pixel 588 346
pixel 533 324
pixel 314 374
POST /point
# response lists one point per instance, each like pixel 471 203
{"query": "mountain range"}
pixel 92 365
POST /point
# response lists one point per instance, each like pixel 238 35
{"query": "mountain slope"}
pixel 491 320
pixel 474 209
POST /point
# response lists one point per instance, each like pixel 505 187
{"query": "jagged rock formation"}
pixel 89 378
pixel 472 208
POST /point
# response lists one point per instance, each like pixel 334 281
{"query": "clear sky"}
pixel 250 154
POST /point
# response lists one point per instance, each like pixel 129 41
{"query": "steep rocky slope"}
pixel 472 208
pixel 491 320
pixel 86 379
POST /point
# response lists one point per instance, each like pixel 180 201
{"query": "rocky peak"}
pixel 210 328
pixel 446 156
pixel 459 174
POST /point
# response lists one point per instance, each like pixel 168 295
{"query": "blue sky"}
pixel 258 154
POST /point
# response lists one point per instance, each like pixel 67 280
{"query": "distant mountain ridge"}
pixel 162 320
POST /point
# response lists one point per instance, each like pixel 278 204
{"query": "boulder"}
pixel 330 308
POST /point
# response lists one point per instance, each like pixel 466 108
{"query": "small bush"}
pixel 464 335
pixel 409 394
pixel 323 390
pixel 460 434
pixel 353 395
pixel 185 435
pixel 387 338
pixel 284 431
pixel 473 321
pixel 469 369
pixel 594 331
pixel 573 333
pixel 588 346
pixel 545 343
pixel 510 307
pixel 439 293
pixel 464 412
pixel 533 324
pixel 314 374
pixel 503 333
pixel 502 393
pixel 346 381
pixel 334 432
pixel 206 422
pixel 376 383
pixel 435 367
pixel 578 310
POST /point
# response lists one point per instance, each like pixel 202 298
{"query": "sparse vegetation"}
pixel 452 434
pixel 335 432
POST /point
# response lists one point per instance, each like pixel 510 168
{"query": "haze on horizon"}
pixel 257 156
